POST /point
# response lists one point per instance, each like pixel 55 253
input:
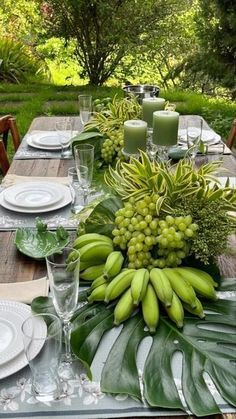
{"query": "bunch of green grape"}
pixel 112 146
pixel 149 241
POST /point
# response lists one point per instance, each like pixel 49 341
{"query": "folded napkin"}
pixel 24 292
pixel 11 179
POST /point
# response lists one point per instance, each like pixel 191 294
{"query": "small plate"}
pixel 66 199
pixel 33 194
pixel 50 141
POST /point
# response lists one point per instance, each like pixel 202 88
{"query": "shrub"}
pixel 17 64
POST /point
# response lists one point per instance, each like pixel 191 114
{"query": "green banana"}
pixel 123 308
pixel 150 309
pixel 98 293
pixel 97 251
pixel 97 282
pixel 202 274
pixel 90 238
pixel 200 285
pixel 92 272
pixel 162 286
pixel 139 285
pixel 176 311
pixel 113 264
pixel 119 284
pixel 181 287
pixel 198 310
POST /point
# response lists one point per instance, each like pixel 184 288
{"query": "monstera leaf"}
pixel 207 346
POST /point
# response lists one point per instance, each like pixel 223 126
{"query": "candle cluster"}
pixel 162 123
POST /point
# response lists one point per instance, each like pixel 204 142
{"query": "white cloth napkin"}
pixel 24 292
pixel 11 179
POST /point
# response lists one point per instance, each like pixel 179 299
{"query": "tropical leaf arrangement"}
pixel 143 253
pixel 107 123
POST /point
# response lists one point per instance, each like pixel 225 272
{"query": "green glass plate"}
pixel 39 242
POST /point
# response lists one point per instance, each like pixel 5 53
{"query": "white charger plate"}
pixel 66 199
pixel 48 140
pixel 208 136
pixel 18 361
pixel 33 194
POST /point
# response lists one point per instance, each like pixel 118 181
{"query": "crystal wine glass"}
pixel 65 134
pixel 84 156
pixel 63 274
pixel 194 136
pixel 85 108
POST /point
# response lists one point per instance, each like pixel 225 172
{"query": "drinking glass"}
pixel 84 156
pixel 63 274
pixel 78 199
pixel 65 134
pixel 42 337
pixel 194 135
pixel 85 108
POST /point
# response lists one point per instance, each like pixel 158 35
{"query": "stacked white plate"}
pixel 49 140
pixel 208 137
pixel 12 357
pixel 35 197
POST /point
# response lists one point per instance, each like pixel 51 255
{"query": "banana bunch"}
pixel 94 249
pixel 176 288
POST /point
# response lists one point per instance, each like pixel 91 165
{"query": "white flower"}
pixel 7 398
pixel 92 388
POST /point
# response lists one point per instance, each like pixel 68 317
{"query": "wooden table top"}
pixel 15 267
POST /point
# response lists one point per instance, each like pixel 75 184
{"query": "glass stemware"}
pixel 194 136
pixel 63 274
pixel 78 183
pixel 85 108
pixel 65 134
pixel 84 157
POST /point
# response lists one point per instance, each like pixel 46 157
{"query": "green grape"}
pixel 131 250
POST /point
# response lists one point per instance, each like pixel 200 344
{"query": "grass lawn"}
pixel 26 102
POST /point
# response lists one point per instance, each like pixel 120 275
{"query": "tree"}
pixel 216 32
pixel 105 30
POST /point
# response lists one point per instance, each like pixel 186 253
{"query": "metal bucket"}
pixel 141 91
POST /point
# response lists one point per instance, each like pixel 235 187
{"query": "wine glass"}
pixel 84 156
pixel 194 136
pixel 78 183
pixel 85 108
pixel 63 275
pixel 65 134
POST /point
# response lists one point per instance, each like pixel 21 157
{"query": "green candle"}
pixel 135 136
pixel 165 128
pixel 150 105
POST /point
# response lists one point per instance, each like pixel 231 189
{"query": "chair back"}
pixel 232 135
pixel 4 162
pixel 8 124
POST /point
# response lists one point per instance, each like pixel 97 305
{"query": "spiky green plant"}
pixel 141 177
pixel 119 111
pixel 17 63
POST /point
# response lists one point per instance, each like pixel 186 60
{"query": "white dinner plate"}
pixel 33 194
pixel 22 311
pixel 208 136
pixel 48 141
pixel 66 199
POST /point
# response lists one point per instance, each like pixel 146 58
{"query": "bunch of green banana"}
pixel 94 249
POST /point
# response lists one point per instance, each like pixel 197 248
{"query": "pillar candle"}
pixel 135 136
pixel 150 105
pixel 165 128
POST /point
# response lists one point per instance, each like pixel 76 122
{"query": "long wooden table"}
pixel 15 267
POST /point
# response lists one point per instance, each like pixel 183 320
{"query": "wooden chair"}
pixel 232 135
pixel 4 162
pixel 7 125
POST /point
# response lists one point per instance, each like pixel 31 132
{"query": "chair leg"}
pixel 4 162
pixel 14 132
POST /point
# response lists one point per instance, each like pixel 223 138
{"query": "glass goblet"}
pixel 85 108
pixel 194 136
pixel 65 134
pixel 84 156
pixel 83 181
pixel 63 275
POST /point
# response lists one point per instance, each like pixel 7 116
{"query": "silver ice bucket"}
pixel 141 91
